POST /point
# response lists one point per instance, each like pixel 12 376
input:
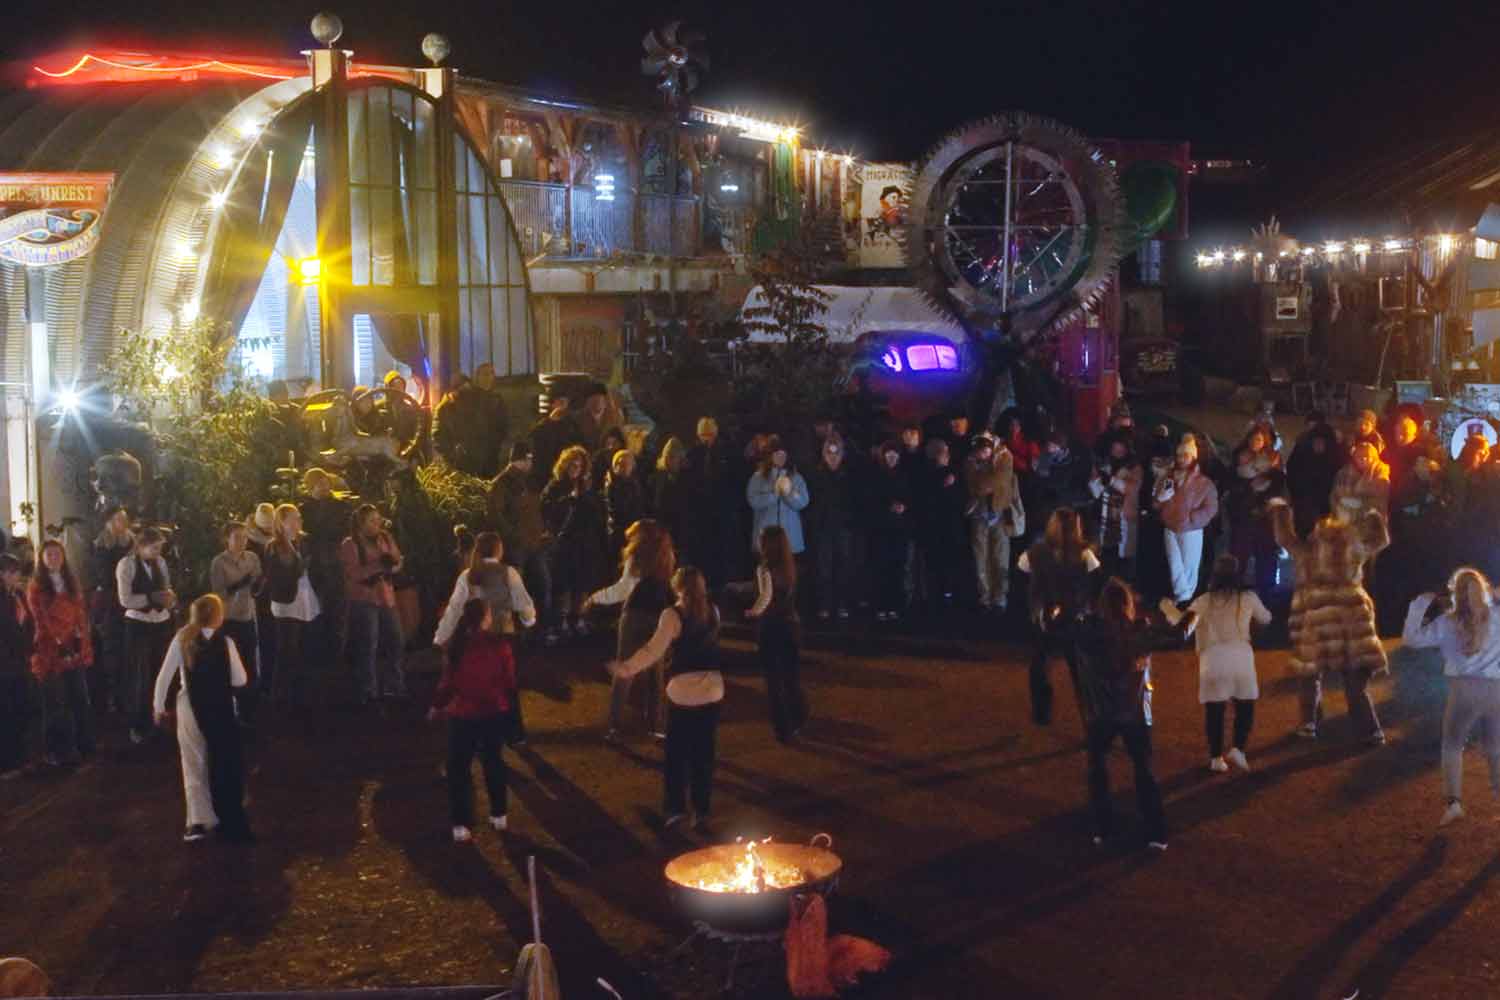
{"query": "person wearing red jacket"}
pixel 62 652
pixel 477 694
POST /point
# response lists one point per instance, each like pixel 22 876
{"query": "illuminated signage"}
pixel 50 219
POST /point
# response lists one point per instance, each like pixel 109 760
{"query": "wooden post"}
pixel 443 347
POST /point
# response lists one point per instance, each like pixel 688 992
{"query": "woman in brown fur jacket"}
pixel 1333 618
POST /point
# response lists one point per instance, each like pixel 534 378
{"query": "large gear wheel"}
pixel 1016 224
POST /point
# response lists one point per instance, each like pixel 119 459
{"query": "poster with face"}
pixel 883 196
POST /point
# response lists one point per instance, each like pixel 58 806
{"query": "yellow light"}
pixel 186 250
pixel 1218 256
pixel 310 269
pixel 1285 253
pixel 189 310
pixel 1239 255
pixel 217 199
pixel 1308 251
pixel 1361 247
pixel 220 157
pixel 249 129
pixel 170 372
pixel 1333 247
pixel 1445 243
pixel 1204 260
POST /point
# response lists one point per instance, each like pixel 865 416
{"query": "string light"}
pixel 209 64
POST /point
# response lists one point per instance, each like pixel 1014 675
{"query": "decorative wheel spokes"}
pixel 1013 226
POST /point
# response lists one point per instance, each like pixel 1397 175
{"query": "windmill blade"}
pixel 699 56
pixel 653 45
pixel 690 79
pixel 668 32
pixel 652 65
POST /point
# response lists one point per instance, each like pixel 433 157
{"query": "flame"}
pixel 752 874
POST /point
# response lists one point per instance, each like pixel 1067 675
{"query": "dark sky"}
pixel 1312 88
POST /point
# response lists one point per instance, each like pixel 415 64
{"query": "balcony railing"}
pixel 669 226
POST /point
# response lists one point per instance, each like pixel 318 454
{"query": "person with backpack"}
pixel 477 695
pixel 204 668
pixel 689 630
pixel 779 637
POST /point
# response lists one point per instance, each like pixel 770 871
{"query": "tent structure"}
pixel 854 311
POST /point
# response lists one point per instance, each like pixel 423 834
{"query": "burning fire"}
pixel 752 873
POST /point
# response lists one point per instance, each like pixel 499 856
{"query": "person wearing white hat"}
pixel 1187 501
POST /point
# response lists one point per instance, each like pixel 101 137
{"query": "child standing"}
pixel 203 667
pixel 1226 662
pixel 477 695
pixel 779 639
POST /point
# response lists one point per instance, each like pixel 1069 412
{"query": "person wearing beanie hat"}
pixel 1187 501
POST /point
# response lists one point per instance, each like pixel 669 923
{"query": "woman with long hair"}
pixel 478 696
pixel 1464 624
pixel 1362 485
pixel 779 636
pixel 1060 567
pixel 624 499
pixel 645 591
pixel 1226 661
pixel 294 603
pixel 672 489
pixel 490 579
pixel 144 586
pixel 203 666
pixel 114 542
pixel 1258 479
pixel 1114 669
pixel 61 653
pixel 689 630
pixel 574 516
pixel 235 575
pixel 777 495
pixel 370 559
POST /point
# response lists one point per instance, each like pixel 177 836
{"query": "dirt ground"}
pixel 962 827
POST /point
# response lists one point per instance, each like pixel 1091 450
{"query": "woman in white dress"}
pixel 1226 661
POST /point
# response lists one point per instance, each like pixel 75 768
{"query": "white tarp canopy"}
pixel 854 312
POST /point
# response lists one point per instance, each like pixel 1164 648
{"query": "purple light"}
pixel 922 357
pixel 891 359
pixel 947 357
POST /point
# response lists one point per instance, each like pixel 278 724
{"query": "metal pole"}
pixel 1010 149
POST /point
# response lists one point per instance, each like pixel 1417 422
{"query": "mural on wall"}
pixel 884 193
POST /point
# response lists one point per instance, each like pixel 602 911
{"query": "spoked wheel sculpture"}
pixel 1017 224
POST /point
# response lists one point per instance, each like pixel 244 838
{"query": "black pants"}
pixel 691 734
pixel 1213 723
pixel 1137 739
pixel 468 738
pixel 145 648
pixel 291 670
pixel 15 689
pixel 246 640
pixel 781 662
pixel 226 772
pixel 67 714
pixel 1048 645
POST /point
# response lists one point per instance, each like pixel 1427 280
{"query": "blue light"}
pixel 891 359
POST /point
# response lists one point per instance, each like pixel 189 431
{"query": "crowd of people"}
pixel 1128 545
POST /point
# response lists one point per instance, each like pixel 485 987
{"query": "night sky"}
pixel 1311 89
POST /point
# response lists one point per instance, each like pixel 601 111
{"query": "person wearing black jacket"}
pixel 940 522
pixel 624 500
pixel 575 518
pixel 671 500
pixel 1310 472
pixel 831 524
pixel 716 494
pixel 891 519
pixel 15 663
pixel 550 437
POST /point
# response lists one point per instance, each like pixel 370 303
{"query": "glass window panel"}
pixel 358 164
pixel 426 224
pixel 479 315
pixel 477 244
pixel 382 237
pixel 499 242
pixel 476 172
pixel 425 155
pixel 519 333
pixel 499 332
pixel 922 357
pixel 359 235
pixel 401 106
pixel 517 270
pixel 460 164
pixel 465 336
pixel 947 357
pixel 381 155
pixel 463 241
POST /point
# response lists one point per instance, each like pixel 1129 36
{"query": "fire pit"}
pixel 746 888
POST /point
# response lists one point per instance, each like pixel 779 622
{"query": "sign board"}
pixel 884 192
pixel 1286 307
pixel 50 218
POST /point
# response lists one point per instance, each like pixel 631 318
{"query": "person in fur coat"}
pixel 1333 618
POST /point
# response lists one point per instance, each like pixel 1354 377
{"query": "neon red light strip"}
pixel 229 67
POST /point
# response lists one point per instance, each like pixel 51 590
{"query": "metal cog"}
pixel 1079 188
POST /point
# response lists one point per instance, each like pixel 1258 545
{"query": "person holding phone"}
pixel 370 560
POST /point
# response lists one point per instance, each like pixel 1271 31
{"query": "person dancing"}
pixel 1464 625
pixel 204 668
pixel 779 637
pixel 1060 566
pixel 689 630
pixel 645 591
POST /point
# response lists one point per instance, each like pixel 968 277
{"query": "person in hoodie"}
pixel 1311 472
pixel 1187 502
pixel 832 524
pixel 477 694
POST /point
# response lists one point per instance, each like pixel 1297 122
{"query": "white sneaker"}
pixel 1308 731
pixel 462 835
pixel 1237 758
pixel 499 824
pixel 1455 811
pixel 1159 846
pixel 1217 765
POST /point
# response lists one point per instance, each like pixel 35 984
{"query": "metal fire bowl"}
pixel 748 912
